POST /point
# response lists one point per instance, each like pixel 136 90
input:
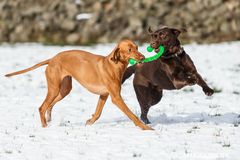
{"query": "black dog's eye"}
pixel 161 33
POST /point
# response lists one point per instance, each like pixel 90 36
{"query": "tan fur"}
pixel 100 75
pixel 28 69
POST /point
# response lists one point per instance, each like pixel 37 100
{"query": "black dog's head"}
pixel 168 37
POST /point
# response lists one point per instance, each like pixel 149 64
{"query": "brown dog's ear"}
pixel 116 55
pixel 150 31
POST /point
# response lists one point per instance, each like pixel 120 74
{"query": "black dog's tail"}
pixel 129 71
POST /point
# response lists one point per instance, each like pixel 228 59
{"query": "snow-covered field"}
pixel 188 125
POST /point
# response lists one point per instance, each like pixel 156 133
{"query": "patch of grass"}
pixel 214 106
pixel 217 115
pixel 236 92
pixel 188 90
pixel 31 136
pixel 137 155
pixel 195 127
pixel 218 132
pixel 226 145
pixel 189 131
pixel 217 90
pixel 8 152
pixel 236 124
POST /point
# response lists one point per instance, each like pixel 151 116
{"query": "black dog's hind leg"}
pixel 147 97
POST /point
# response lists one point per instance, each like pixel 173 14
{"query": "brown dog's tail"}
pixel 129 71
pixel 28 69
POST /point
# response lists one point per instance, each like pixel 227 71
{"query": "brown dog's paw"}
pixel 44 125
pixel 89 122
pixel 145 127
pixel 208 91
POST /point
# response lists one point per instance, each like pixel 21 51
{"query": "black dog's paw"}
pixel 208 91
pixel 145 120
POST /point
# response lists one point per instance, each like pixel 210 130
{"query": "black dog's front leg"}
pixel 199 80
pixel 206 89
pixel 180 78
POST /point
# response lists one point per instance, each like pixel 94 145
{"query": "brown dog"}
pixel 100 75
pixel 173 70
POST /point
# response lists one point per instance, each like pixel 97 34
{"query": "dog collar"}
pixel 177 54
pixel 149 59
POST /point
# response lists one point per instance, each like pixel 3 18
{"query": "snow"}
pixel 188 125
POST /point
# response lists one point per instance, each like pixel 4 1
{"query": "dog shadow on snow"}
pixel 228 118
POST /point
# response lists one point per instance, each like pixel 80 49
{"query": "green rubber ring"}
pixel 149 59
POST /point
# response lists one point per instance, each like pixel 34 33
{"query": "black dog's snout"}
pixel 153 44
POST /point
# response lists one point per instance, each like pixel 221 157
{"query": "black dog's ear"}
pixel 178 31
pixel 160 27
pixel 150 31
pixel 116 55
pixel 183 29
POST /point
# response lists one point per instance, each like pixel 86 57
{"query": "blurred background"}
pixel 184 121
pixel 86 22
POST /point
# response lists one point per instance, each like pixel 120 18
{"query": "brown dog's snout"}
pixel 142 57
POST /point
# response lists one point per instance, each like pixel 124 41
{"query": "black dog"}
pixel 173 70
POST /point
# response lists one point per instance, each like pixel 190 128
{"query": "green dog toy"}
pixel 149 59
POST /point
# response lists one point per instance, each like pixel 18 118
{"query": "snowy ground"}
pixel 187 124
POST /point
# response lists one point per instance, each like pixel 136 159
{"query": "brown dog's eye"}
pixel 129 50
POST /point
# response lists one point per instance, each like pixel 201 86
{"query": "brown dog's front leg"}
pixel 98 111
pixel 206 89
pixel 118 101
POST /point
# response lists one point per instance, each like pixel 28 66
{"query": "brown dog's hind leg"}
pixel 53 82
pixel 65 88
pixel 97 114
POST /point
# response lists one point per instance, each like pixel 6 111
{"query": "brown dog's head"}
pixel 168 37
pixel 125 50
